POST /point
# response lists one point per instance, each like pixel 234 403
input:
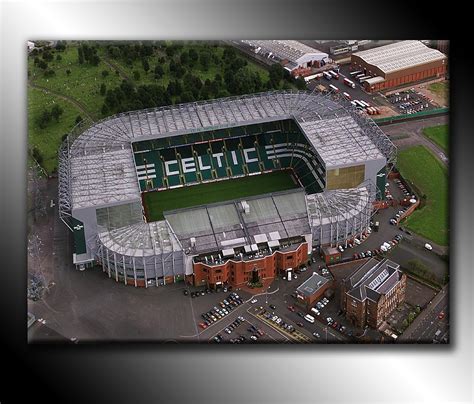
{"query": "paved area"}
pixel 414 130
pixel 425 327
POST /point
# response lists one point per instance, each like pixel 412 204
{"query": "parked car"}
pixel 428 247
pixel 441 315
pixel 291 308
pixel 300 324
pixel 253 301
pixel 185 291
pixel 272 306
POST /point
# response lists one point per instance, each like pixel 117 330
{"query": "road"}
pixel 424 327
pixel 415 131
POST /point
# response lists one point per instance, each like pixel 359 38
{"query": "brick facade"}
pixel 239 272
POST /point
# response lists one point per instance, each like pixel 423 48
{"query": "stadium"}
pixel 225 191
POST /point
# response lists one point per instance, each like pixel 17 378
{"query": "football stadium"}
pixel 225 191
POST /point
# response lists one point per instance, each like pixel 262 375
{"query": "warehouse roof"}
pixel 400 55
pixel 285 49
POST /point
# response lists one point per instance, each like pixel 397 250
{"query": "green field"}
pixel 441 88
pixel 48 140
pixel 420 167
pixel 76 88
pixel 438 134
pixel 158 202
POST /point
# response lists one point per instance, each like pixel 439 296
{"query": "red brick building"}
pixel 238 270
pixel 372 292
pixel 398 64
pixel 313 289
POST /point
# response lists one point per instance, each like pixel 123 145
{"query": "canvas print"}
pixel 238 192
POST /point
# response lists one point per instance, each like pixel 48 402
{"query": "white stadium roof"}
pixel 400 55
pixel 98 166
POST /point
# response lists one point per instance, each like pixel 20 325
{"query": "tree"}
pixel 80 55
pixel 136 75
pixel 205 60
pixel 159 72
pixel 68 72
pixel 193 56
pixel 78 119
pixel 276 72
pixel 105 73
pixel 184 58
pixel 103 89
pixel 300 83
pixel 49 73
pixel 42 65
pixel 44 119
pixel 59 58
pixel 56 112
pixel 146 65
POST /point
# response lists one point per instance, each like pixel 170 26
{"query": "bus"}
pixel 349 83
pixel 334 88
pixel 334 74
pixel 327 76
pixel 352 74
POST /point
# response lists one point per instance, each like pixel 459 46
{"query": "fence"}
pixel 418 115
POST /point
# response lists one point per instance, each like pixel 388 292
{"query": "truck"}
pixel 349 83
pixel 317 76
pixel 333 88
pixel 355 73
pixel 347 95
pixel 334 74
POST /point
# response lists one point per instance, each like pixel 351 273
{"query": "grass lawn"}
pixel 83 83
pixel 419 166
pixel 438 134
pixel 441 88
pixel 48 140
pixel 158 202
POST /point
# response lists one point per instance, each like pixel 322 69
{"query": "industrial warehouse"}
pixel 398 64
pixel 293 55
pixel 335 157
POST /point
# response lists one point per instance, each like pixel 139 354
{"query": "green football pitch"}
pixel 160 201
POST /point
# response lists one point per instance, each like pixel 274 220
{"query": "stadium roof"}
pixel 285 49
pixel 140 240
pixel 98 166
pixel 225 225
pixel 337 205
pixel 400 55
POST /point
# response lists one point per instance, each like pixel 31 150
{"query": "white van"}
pixel 309 318
pixel 315 311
